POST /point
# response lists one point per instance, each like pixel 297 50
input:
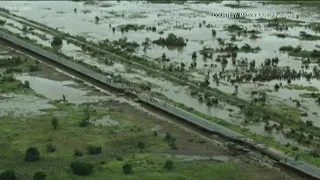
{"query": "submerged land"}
pixel 256 76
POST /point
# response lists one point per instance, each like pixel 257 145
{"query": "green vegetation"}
pixel 94 150
pixel 132 27
pixel 54 122
pixel 298 52
pixel 237 6
pixel 127 168
pixel 8 175
pixel 278 21
pixel 2 22
pixel 39 175
pixel 171 40
pixel 168 165
pixel 300 87
pixel 81 168
pixel 270 142
pixel 57 41
pixel 305 36
pixel 32 155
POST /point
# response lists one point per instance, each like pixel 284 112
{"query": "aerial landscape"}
pixel 159 90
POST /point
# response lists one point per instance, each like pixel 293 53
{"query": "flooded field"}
pixel 264 60
pixel 64 118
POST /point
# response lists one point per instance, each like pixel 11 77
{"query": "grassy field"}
pixel 116 141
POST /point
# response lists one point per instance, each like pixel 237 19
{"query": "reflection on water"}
pixel 56 89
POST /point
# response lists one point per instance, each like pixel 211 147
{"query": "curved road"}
pixel 198 121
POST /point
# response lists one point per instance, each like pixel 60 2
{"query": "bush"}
pixel 51 148
pixel 39 176
pixel 54 122
pixel 8 175
pixel 168 165
pixel 83 123
pixel 32 155
pixel 33 68
pixel 57 41
pixel 81 168
pixel 26 84
pixel 94 150
pixel 127 168
pixel 77 152
pixel 2 22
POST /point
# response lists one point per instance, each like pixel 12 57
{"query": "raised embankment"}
pixel 310 170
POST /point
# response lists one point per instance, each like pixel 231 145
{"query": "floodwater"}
pixel 182 20
pixel 22 105
pixel 56 89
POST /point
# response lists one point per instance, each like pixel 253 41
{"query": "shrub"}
pixel 77 152
pixel 8 175
pixel 119 158
pixel 32 155
pixel 33 68
pixel 2 22
pixel 26 84
pixel 51 148
pixel 83 123
pixel 54 122
pixel 168 165
pixel 81 168
pixel 127 168
pixel 94 150
pixel 57 41
pixel 39 175
pixel 141 146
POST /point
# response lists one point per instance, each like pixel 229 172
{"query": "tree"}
pixel 213 32
pixel 24 28
pixel 54 122
pixel 8 175
pixel 167 136
pixel 57 41
pixel 127 168
pixel 81 168
pixel 85 120
pixel 163 56
pixel 146 44
pixel 39 175
pixel 172 142
pixel 32 155
pixel 168 165
pixel 26 84
pixel 194 55
pixel 141 145
pixel 97 19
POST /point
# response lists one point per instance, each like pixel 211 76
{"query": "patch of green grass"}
pixel 300 87
pixel 14 86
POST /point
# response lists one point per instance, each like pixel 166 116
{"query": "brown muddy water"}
pixel 182 20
